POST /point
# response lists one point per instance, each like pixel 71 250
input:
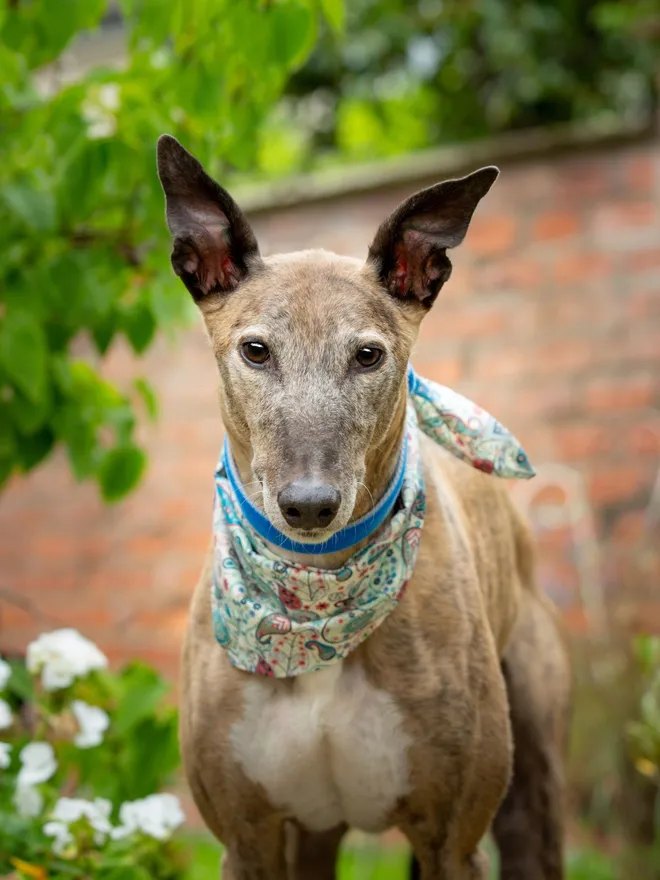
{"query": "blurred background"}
pixel 320 117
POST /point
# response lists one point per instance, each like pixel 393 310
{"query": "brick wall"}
pixel 551 321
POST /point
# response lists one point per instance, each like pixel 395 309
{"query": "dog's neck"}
pixel 380 465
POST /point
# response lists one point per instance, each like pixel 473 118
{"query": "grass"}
pixel 377 863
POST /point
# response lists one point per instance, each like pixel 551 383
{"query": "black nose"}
pixel 306 504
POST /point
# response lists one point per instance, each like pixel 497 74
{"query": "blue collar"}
pixel 349 536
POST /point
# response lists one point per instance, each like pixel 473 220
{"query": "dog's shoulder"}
pixel 474 511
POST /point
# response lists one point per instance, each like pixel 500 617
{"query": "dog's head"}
pixel 312 348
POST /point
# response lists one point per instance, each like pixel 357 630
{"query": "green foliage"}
pixel 644 732
pixel 416 74
pixel 134 757
pixel 83 245
pixel 591 865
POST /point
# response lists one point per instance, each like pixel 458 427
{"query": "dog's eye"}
pixel 255 353
pixel 368 356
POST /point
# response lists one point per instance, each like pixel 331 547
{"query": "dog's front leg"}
pixel 255 851
pixel 437 860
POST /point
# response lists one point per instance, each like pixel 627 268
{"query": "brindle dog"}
pixel 450 719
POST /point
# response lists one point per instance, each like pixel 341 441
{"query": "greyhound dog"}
pixel 449 720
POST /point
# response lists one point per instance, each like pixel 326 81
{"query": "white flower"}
pixel 101 127
pixel 109 96
pixel 62 656
pixel 92 721
pixel 28 801
pixel 157 815
pixel 99 110
pixel 69 810
pixel 38 763
pixel 6 717
pixel 62 835
pixel 5 673
pixel 5 755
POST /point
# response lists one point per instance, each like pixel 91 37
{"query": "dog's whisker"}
pixel 368 490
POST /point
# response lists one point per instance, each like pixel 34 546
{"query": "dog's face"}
pixel 312 348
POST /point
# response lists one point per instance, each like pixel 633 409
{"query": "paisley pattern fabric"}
pixel 280 618
pixel 467 430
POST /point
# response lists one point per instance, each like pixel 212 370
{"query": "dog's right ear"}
pixel 409 251
pixel 213 243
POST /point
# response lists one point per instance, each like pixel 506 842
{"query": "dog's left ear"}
pixel 214 245
pixel 410 248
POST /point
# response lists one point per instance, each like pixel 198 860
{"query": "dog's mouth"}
pixel 305 536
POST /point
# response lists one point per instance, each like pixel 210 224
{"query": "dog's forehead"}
pixel 309 288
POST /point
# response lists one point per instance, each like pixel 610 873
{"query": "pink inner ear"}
pixel 216 268
pixel 400 275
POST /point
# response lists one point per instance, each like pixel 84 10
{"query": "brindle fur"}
pixel 472 654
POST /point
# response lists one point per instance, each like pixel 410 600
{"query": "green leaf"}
pixel 120 471
pixel 292 32
pixel 148 396
pixel 335 13
pixel 36 208
pixel 126 872
pixel 29 415
pixel 23 352
pixel 34 448
pixel 6 469
pixel 144 689
pixel 139 325
pixel 21 683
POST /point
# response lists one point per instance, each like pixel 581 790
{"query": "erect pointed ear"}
pixel 213 242
pixel 410 248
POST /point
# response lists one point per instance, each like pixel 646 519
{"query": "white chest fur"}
pixel 330 749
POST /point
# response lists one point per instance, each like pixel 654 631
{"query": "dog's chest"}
pixel 329 749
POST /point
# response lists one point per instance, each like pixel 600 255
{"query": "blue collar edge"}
pixel 349 536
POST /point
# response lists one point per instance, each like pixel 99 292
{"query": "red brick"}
pixel 640 173
pixel 543 400
pixel 575 619
pixel 614 395
pixel 470 322
pixel 14 617
pixel 619 216
pixel 551 495
pixel 460 284
pixel 640 261
pixel 491 235
pixel 582 181
pixel 518 273
pixel 643 343
pixel 578 442
pixel 445 370
pixel 617 483
pixel 157 624
pixel 644 439
pixel 582 267
pixel 563 355
pixel 629 527
pixel 56 547
pixel 504 363
pixel 555 224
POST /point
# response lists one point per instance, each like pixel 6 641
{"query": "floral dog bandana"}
pixel 281 618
